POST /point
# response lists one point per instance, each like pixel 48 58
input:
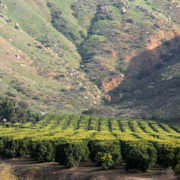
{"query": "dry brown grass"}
pixel 6 172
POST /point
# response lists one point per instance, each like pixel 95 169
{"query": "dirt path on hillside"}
pixel 29 169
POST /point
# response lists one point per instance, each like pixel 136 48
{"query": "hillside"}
pixel 120 57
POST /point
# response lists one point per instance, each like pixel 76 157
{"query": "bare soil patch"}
pixel 27 168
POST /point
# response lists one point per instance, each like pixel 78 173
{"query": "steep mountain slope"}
pixel 121 57
pixel 38 63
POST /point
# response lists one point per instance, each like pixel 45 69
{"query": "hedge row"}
pixel 106 154
pixel 141 155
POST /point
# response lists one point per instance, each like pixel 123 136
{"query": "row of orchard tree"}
pixel 141 155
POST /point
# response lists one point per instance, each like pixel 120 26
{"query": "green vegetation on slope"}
pixel 70 56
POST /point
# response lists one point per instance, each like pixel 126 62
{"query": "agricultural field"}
pixel 120 57
pixel 71 139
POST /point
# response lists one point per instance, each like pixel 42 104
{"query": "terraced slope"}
pixel 121 57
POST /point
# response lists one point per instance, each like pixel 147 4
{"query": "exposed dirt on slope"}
pixel 155 49
pixel 27 168
pixel 109 84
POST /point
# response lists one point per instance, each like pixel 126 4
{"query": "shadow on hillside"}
pixel 145 65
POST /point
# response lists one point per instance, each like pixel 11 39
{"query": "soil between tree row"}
pixel 28 169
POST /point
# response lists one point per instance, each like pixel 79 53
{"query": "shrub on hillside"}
pixel 23 104
pixel 91 111
pixel 11 94
pixel 144 115
pixel 49 4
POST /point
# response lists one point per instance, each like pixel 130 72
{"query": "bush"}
pixel 8 20
pixel 10 148
pixel 16 27
pixel 23 104
pixel 144 115
pixel 105 160
pixel 22 150
pixel 82 34
pixel 40 47
pixel 42 151
pixel 1 146
pixel 140 155
pixel 130 20
pixel 156 25
pixel 11 94
pixel 70 154
pixel 49 4
pixel 105 154
pixel 166 155
pixel 91 111
pixel 143 74
pixel 177 168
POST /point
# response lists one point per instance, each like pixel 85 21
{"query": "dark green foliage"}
pixel 49 4
pixel 91 111
pixel 177 168
pixel 144 115
pixel 177 160
pixel 11 94
pixel 21 115
pixel 103 13
pixel 82 34
pixel 143 73
pixel 129 20
pixel 105 154
pixel 42 151
pixel 1 146
pixel 13 114
pixel 70 154
pixel 139 155
pixel 166 155
pixel 60 24
pixel 156 25
pixel 10 148
pixel 40 47
pixel 22 149
pixel 8 125
pixel 32 149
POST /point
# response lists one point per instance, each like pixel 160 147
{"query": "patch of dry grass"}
pixel 6 172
